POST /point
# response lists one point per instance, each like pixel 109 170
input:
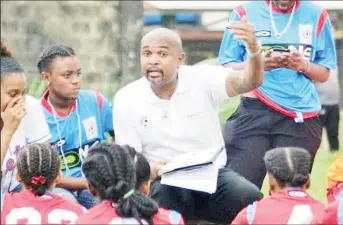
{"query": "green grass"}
pixel 322 162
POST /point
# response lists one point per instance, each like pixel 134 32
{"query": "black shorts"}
pixel 256 128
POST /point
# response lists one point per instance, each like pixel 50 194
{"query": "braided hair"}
pixel 49 54
pixel 8 64
pixel 290 166
pixel 110 170
pixel 38 166
pixel 142 166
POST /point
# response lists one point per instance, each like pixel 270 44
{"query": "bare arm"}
pixel 269 62
pixel 242 81
pixel 5 143
pixel 313 71
pixel 317 72
pixel 72 183
pixel 236 65
pixel 251 76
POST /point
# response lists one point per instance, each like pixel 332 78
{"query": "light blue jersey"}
pixel 92 113
pixel 310 33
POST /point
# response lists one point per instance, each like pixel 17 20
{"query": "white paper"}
pixel 207 156
pixel 202 179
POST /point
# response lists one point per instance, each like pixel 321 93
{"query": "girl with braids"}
pixel 143 184
pixel 22 119
pixel 39 171
pixel 77 118
pixel 288 171
pixel 111 176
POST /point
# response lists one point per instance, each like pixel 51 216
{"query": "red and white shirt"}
pixel 26 208
pixel 288 206
pixel 106 213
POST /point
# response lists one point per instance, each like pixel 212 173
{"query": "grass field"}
pixel 323 160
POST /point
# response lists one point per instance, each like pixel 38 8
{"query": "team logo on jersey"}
pixel 305 33
pixel 263 33
pixel 72 159
pixel 91 128
pixel 10 164
pixel 145 121
pixel 72 156
pixel 304 50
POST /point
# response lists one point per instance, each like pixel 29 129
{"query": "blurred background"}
pixel 106 36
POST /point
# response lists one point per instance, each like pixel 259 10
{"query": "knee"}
pixel 86 199
pixel 241 189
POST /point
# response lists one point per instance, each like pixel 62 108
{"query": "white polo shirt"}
pixel 32 129
pixel 162 129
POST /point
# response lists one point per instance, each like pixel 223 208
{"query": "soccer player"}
pixel 111 174
pixel 289 203
pixel 333 214
pixel 22 119
pixel 77 118
pixel 175 111
pixel 284 110
pixel 335 180
pixel 38 170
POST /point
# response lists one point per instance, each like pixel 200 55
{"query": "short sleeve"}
pixel 35 125
pixel 231 49
pixel 325 54
pixel 214 80
pixel 123 127
pixel 333 214
pixel 241 217
pixel 106 112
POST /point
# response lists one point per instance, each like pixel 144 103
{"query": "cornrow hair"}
pixel 49 54
pixel 109 168
pixel 8 64
pixel 142 166
pixel 290 166
pixel 38 166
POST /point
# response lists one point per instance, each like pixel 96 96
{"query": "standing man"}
pixel 329 115
pixel 299 50
pixel 173 109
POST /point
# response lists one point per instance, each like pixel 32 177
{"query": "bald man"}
pixel 172 110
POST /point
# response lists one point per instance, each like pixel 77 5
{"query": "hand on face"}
pixel 13 114
pixel 245 32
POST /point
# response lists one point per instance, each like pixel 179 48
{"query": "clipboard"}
pixel 191 161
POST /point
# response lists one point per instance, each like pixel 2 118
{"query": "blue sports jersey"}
pixel 93 113
pixel 310 33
